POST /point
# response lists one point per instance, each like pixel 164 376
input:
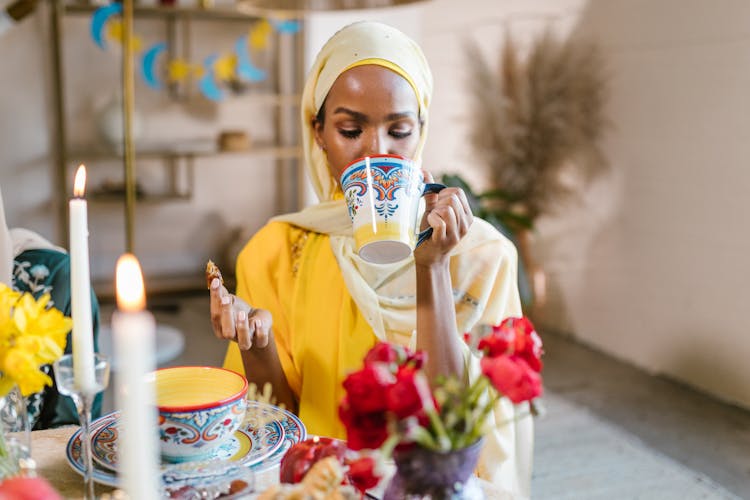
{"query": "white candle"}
pixel 80 287
pixel 133 329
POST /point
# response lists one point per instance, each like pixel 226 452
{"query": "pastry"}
pixel 212 271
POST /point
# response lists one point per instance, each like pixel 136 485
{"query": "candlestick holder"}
pixel 83 397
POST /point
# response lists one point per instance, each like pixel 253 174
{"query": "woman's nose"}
pixel 376 145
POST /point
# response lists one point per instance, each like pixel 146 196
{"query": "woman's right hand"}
pixel 234 319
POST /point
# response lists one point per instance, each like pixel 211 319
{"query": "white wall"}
pixel 661 284
pixel 650 266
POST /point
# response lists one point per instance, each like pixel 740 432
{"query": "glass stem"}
pixel 6 469
pixel 83 405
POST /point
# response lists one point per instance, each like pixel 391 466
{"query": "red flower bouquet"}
pixel 389 401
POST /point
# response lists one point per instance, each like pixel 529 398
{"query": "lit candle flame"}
pixel 79 184
pixel 129 284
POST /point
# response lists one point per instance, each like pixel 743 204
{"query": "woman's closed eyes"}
pixel 396 133
pixel 400 124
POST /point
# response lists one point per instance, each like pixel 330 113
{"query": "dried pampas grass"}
pixel 536 118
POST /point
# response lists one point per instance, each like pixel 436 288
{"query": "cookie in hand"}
pixel 212 271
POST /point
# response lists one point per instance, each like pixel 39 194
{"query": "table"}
pixel 48 450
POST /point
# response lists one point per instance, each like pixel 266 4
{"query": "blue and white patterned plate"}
pixel 249 445
pixel 285 429
pixel 294 430
pixel 73 454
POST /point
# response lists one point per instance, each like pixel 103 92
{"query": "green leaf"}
pixel 497 194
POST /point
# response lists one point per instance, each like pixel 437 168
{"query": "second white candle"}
pixel 133 329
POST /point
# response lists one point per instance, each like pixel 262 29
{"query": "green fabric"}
pixel 38 272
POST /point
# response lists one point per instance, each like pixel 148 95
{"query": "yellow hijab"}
pixel 385 294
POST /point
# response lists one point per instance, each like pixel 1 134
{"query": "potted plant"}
pixel 537 124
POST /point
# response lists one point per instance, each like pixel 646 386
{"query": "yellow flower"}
pixel 21 366
pixel 34 318
pixel 8 297
pixel 32 334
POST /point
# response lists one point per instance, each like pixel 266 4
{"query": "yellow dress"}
pixel 330 336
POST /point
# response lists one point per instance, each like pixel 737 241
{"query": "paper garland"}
pixel 217 70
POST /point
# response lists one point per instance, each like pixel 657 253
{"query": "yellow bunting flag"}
pixel 116 32
pixel 225 67
pixel 178 70
pixel 259 34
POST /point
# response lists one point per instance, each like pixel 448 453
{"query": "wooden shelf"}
pixel 109 197
pixel 155 285
pixel 176 12
pixel 302 7
pixel 192 149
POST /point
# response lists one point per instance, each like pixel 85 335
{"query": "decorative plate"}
pixel 248 446
pixel 288 431
pixel 73 454
pixel 294 430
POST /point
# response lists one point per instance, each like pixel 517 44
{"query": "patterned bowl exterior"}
pixel 195 431
pixel 197 434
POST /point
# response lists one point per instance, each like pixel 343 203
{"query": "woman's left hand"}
pixel 449 215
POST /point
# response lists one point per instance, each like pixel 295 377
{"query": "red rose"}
pixel 27 488
pixel 513 377
pixel 403 398
pixel 362 474
pixel 531 350
pixel 514 336
pixel 367 388
pixel 527 344
pixel 383 352
pixel 498 342
pixel 363 430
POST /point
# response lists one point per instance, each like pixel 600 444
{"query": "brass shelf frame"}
pixel 286 149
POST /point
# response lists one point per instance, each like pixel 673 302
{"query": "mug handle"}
pixel 427 233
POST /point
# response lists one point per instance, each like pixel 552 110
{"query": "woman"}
pixel 32 264
pixel 308 308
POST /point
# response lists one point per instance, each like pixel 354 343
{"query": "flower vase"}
pixel 429 474
pixel 15 434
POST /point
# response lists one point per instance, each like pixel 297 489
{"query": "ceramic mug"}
pixel 382 194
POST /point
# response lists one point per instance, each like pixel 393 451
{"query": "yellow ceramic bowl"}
pixel 200 407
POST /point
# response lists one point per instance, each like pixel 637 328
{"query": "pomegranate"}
pixel 300 457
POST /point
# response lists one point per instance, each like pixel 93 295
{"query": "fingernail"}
pixel 215 283
pixel 242 315
pixel 225 300
pixel 258 324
